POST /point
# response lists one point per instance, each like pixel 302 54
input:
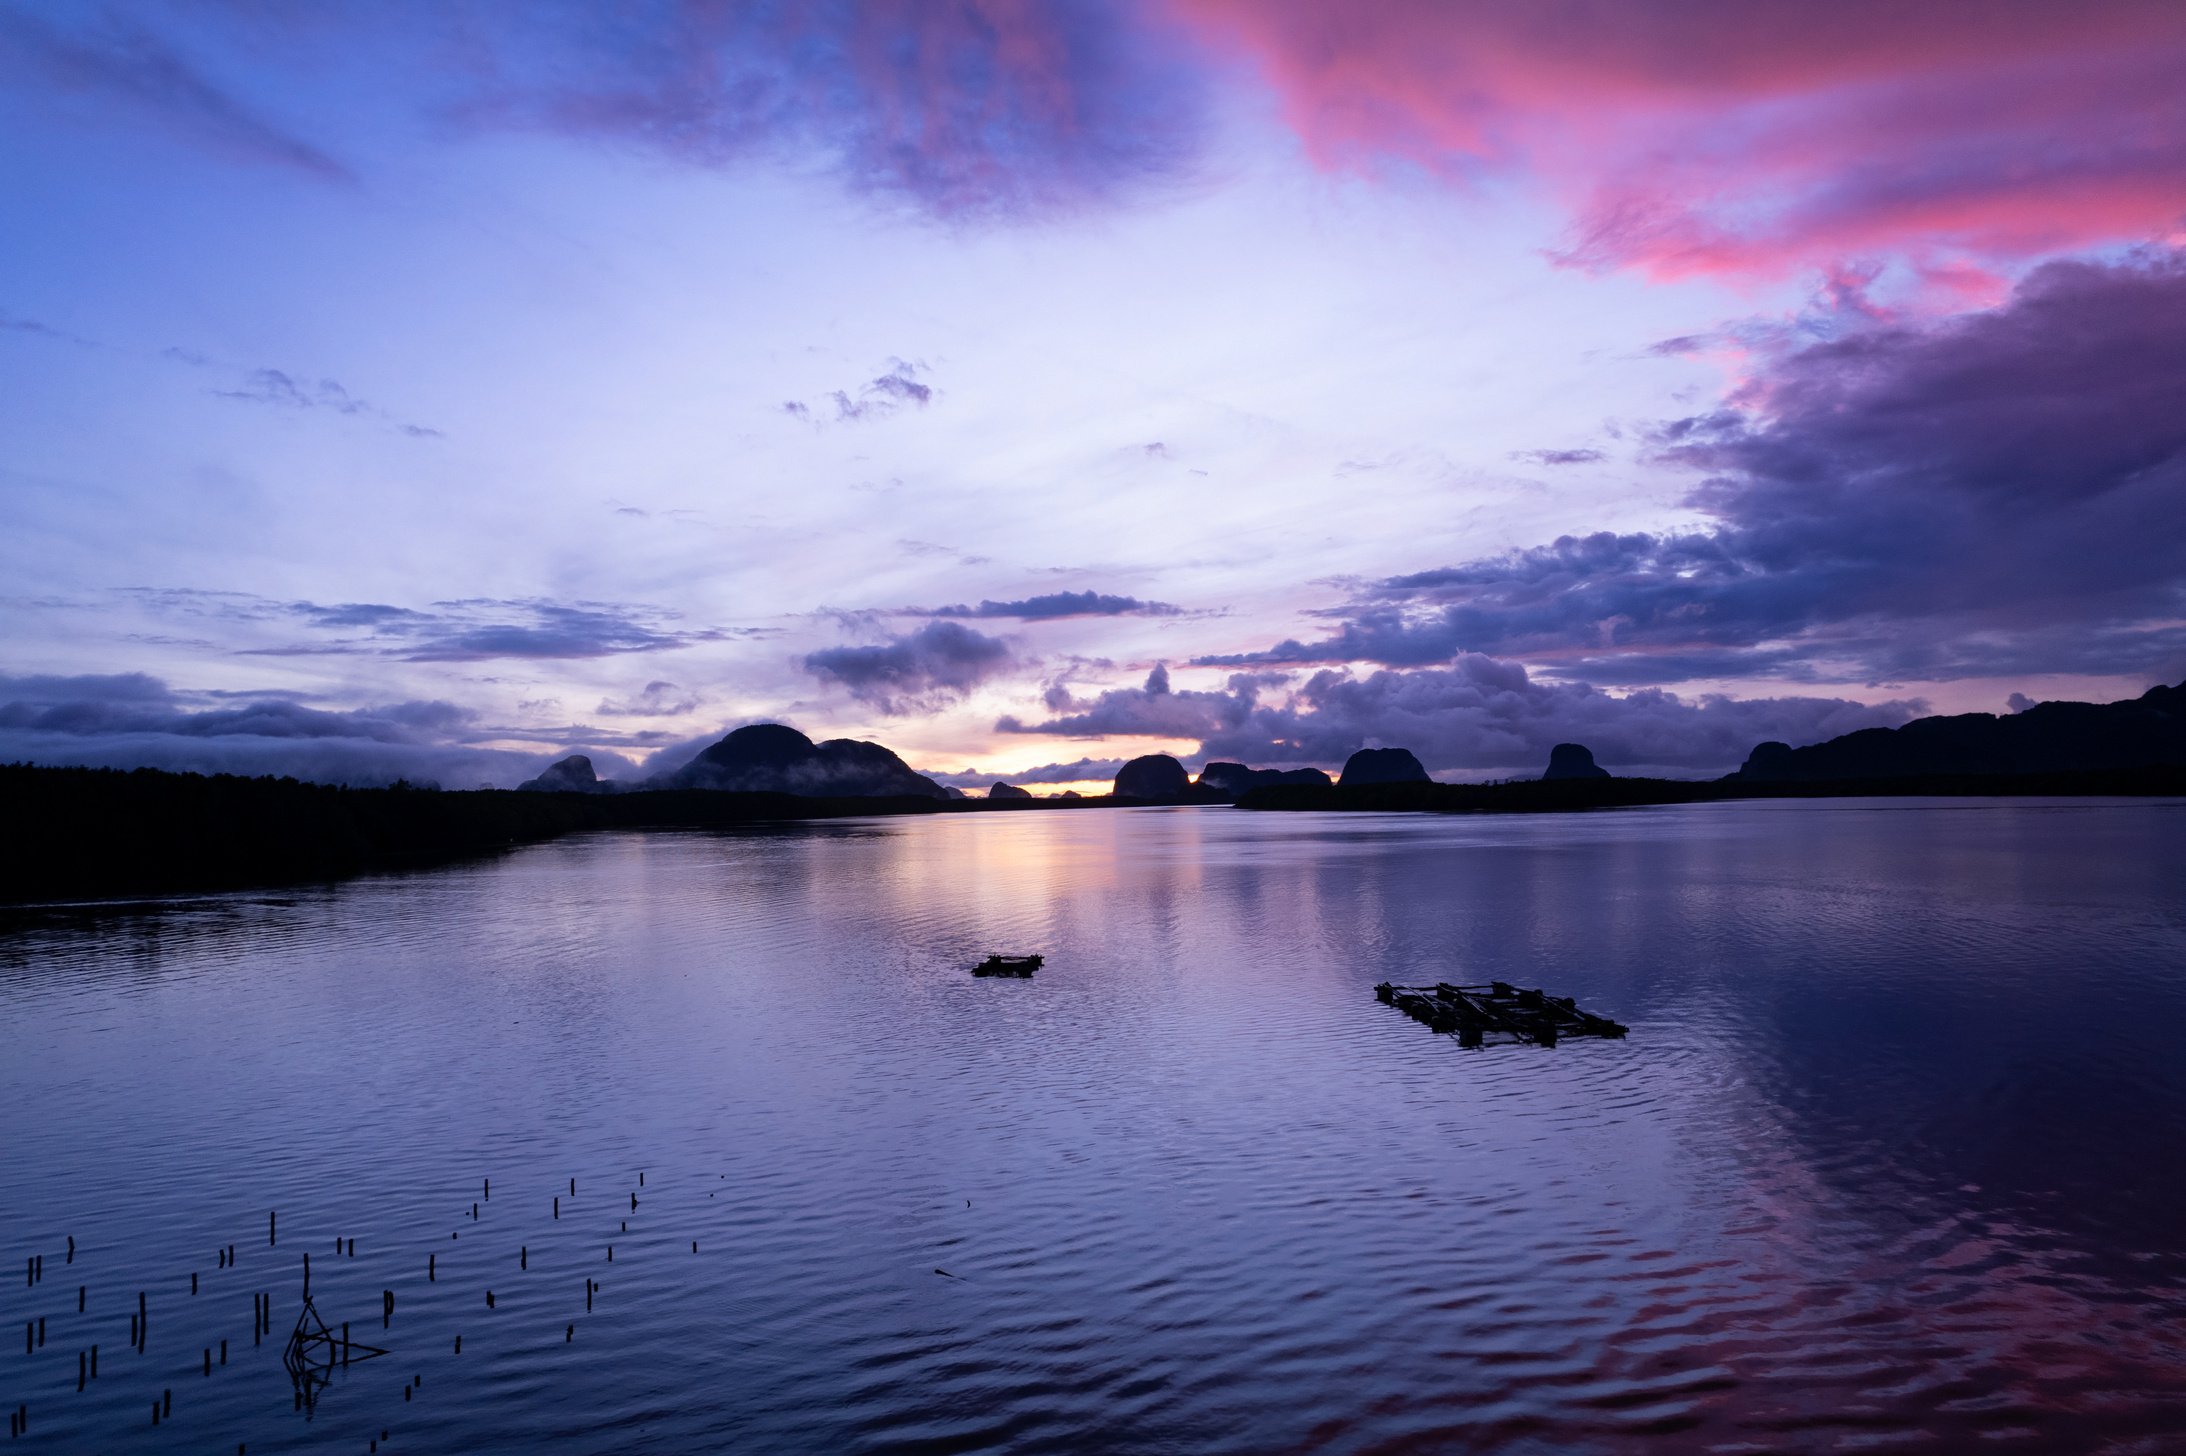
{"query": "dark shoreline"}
pixel 79 834
pixel 86 834
pixel 1563 796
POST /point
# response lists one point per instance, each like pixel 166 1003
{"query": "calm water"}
pixel 1894 1158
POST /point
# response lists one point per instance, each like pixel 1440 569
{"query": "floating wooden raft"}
pixel 1007 965
pixel 1474 1011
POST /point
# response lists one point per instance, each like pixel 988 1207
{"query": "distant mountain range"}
pixel 105 832
pixel 2144 732
pixel 2049 738
pixel 764 758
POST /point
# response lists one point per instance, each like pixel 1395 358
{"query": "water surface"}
pixel 1893 1159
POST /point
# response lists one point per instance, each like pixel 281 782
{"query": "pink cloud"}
pixel 1730 138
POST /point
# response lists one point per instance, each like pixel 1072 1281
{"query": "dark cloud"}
pixel 659 700
pixel 940 662
pixel 469 630
pixel 358 614
pixel 1558 457
pixel 135 703
pixel 1477 716
pixel 1154 709
pixel 111 57
pixel 960 107
pixel 1053 605
pixel 130 720
pixel 1990 493
pixel 134 721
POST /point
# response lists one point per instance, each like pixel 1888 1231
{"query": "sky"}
pixel 432 390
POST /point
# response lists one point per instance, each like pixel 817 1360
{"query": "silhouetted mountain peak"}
pixel 1573 761
pixel 1155 776
pixel 571 775
pixel 1235 779
pixel 1382 766
pixel 760 745
pixel 774 758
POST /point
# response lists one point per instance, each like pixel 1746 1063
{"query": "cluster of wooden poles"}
pixel 314 1348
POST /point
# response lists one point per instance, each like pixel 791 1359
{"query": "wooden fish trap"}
pixel 1498 1008
pixel 314 1351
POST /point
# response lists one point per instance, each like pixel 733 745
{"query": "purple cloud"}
pixel 895 390
pixel 1154 709
pixel 937 664
pixel 1478 715
pixel 1052 606
pixel 284 390
pixel 472 630
pixel 1989 493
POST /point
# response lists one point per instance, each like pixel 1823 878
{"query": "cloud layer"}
pixel 127 64
pixel 964 107
pixel 1053 606
pixel 1993 493
pixel 472 629
pixel 1709 136
pixel 131 720
pixel 918 671
pixel 1477 716
pixel 1680 136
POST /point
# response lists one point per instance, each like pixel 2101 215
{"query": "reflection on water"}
pixel 1892 1158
